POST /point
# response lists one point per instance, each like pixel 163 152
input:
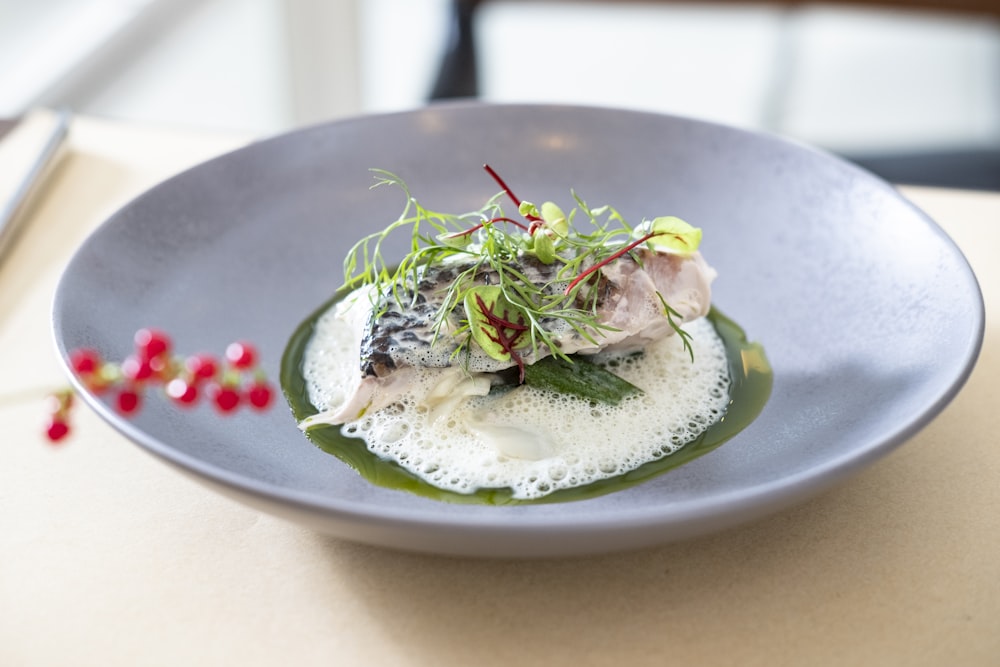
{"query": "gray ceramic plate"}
pixel 869 314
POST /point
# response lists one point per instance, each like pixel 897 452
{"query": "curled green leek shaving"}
pixel 580 242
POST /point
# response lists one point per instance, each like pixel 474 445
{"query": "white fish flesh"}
pixel 396 336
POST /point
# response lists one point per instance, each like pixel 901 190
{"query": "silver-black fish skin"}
pixel 401 329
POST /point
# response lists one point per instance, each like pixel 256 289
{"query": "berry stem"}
pixel 29 394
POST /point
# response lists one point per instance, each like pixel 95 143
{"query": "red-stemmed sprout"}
pixel 493 324
pixel 510 193
pixel 666 233
pixel 511 297
pixel 607 260
pixel 477 227
pixel 535 221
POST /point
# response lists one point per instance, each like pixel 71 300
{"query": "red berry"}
pixel 57 429
pixel 151 343
pixel 84 361
pixel 159 365
pixel 259 395
pixel 59 402
pixel 241 355
pixel 225 397
pixel 182 391
pixel 128 401
pixel 134 368
pixel 201 366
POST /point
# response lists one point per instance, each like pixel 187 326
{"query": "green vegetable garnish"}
pixel 496 324
pixel 506 319
pixel 581 378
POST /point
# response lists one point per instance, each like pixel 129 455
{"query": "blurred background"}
pixel 911 92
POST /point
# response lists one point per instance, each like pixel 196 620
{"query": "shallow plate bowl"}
pixel 871 317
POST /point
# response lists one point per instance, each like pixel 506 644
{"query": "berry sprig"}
pixel 229 382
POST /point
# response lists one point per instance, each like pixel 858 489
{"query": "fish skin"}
pixel 402 334
pixel 627 302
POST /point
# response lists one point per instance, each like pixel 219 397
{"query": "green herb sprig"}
pixel 490 241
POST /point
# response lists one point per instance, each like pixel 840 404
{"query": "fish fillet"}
pixel 396 336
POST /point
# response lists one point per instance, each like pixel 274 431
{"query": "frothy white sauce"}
pixel 531 441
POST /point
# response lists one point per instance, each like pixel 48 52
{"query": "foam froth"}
pixel 532 441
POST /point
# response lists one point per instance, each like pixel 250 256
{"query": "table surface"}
pixel 109 557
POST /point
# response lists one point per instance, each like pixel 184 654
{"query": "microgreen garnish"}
pixel 509 315
pixel 497 325
pixel 665 233
pixel 670 314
